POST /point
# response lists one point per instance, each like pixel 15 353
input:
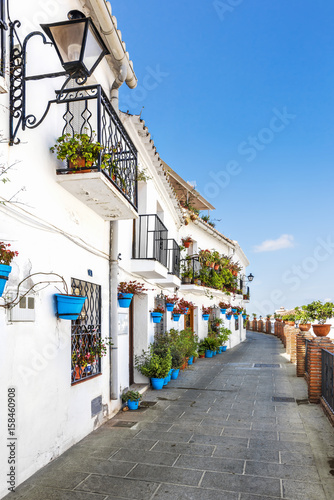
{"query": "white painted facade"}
pixel 56 232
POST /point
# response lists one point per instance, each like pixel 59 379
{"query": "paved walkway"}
pixel 213 434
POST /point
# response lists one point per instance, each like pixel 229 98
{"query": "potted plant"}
pixel 170 302
pixel 223 307
pixel 131 398
pixel 223 337
pixel 81 151
pixel 154 366
pixel 126 290
pixel 6 257
pixel 304 319
pixel 177 313
pixel 185 305
pixel 209 345
pixel 320 312
pixel 157 313
pixel 186 242
pixel 206 313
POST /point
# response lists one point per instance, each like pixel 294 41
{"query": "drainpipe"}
pixel 120 79
pixel 113 309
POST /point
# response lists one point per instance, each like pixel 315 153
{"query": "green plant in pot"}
pixel 304 319
pixel 320 312
pixel 131 396
pixel 81 151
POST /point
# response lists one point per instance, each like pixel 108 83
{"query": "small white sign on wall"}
pixel 123 323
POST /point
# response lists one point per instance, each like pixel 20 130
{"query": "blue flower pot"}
pixel 223 311
pixel 234 310
pixel 228 316
pixel 133 405
pixel 124 299
pixel 208 353
pixel 244 316
pixel 4 273
pixel 166 380
pixel 214 353
pixel 175 373
pixel 224 348
pixel 170 307
pixel 69 306
pixel 220 349
pixel 176 317
pixel 156 316
pixel 205 317
pixel 186 310
pixel 157 383
pixel 190 360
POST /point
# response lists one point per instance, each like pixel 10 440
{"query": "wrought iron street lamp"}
pixel 250 277
pixel 80 49
pixel 78 44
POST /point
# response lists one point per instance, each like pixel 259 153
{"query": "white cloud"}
pixel 284 241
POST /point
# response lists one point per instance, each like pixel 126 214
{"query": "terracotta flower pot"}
pixel 305 327
pixel 321 330
pixel 81 165
pixel 186 244
pixel 216 267
pixel 201 355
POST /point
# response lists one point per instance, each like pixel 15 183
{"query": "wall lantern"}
pixel 250 277
pixel 78 44
pixel 80 49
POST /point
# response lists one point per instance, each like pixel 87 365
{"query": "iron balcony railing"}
pixel 89 111
pixel 173 258
pixel 327 380
pixel 151 240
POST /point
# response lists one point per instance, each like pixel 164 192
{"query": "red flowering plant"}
pixel 224 305
pixel 158 309
pixel 184 305
pixel 6 255
pixel 171 300
pixel 133 287
pixel 206 310
pixel 178 310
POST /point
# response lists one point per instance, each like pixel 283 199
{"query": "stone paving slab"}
pixel 215 433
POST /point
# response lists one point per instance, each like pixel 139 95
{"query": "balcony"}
pixel 196 277
pixel 112 191
pixel 154 255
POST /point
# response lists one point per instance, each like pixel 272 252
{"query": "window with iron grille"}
pixel 2 38
pixel 160 328
pixel 237 323
pixel 86 332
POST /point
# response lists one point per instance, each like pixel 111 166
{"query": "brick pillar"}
pixel 287 331
pixel 284 334
pixel 293 339
pixel 301 349
pixel 314 366
pixel 254 325
pixel 259 326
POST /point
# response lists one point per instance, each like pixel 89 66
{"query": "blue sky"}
pixel 239 97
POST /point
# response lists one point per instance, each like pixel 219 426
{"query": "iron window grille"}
pixel 89 111
pixel 327 379
pixel 85 332
pixel 151 240
pixel 160 328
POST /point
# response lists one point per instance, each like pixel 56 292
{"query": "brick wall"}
pixel 314 366
pixel 300 354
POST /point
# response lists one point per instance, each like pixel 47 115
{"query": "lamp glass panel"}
pixel 68 39
pixel 93 50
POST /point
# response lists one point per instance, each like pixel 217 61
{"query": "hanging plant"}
pixel 126 290
pixel 6 257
